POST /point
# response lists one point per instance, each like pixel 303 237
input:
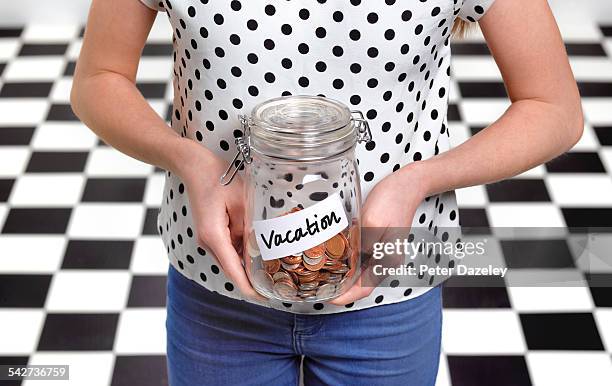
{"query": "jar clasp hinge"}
pixel 363 126
pixel 243 151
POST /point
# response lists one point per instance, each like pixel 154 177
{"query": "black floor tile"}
pixel 6 185
pixel 595 89
pixel 600 285
pixel 24 290
pixel 585 49
pixel 562 331
pixel 476 129
pixel 70 66
pixel 81 332
pixel 475 370
pixel 482 90
pixel 157 49
pixel 470 49
pixel 13 361
pixel 10 32
pixel 114 190
pixel 587 217
pixel 576 162
pixel 37 220
pixel 150 222
pixel 473 218
pixel 43 49
pixel 537 254
pixel 152 90
pixel 135 370
pixel 56 161
pixel 604 134
pixel 523 190
pixel 61 112
pixel 453 113
pixel 98 254
pixel 2 67
pixel 475 292
pixel 148 291
pixel 20 136
pixel 168 117
pixel 26 90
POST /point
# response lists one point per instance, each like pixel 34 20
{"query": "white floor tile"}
pixel 23 111
pixel 550 299
pixel 19 330
pixel 149 256
pixel 458 133
pixel 86 368
pixel 603 316
pixel 154 190
pixel 142 331
pixel 34 69
pixel 597 110
pixel 13 160
pixel 476 68
pixel 588 141
pixel 479 332
pixel 106 221
pixel 569 368
pixel 443 378
pixel 606 158
pixel 154 69
pixel 483 112
pixel 74 49
pixel 59 190
pixel 31 254
pixel 60 92
pixel 473 196
pixel 50 33
pixel 86 291
pixel 580 189
pixel 591 68
pixel 9 49
pixel 110 162
pixel 525 215
pixel 63 136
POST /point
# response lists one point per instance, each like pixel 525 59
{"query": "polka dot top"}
pixel 389 59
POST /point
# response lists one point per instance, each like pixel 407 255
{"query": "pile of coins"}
pixel 316 274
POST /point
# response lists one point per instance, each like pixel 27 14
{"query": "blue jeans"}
pixel 216 340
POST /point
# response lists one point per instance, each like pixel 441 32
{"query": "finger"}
pixel 232 266
pixel 354 293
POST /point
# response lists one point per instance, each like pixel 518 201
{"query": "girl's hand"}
pixel 392 203
pixel 217 211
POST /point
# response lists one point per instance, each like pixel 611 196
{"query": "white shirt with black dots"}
pixel 389 59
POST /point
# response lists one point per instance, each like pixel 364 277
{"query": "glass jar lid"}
pixel 302 127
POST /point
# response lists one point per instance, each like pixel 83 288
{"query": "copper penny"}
pixel 292 259
pixel 271 266
pixel 315 252
pixel 335 246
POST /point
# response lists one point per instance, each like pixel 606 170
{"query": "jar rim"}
pixel 301 127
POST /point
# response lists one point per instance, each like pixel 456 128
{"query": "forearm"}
pixel 530 133
pixel 111 106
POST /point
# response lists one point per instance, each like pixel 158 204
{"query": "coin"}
pixel 251 245
pixel 292 259
pixel 285 290
pixel 309 286
pixel 315 261
pixel 336 245
pixel 317 266
pixel 340 270
pixel 326 291
pixel 315 252
pixel 264 279
pixel 271 266
pixel 281 275
pixel 289 267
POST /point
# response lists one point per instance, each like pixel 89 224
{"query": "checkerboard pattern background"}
pixel 82 270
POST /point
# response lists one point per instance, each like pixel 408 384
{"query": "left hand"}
pixel 392 203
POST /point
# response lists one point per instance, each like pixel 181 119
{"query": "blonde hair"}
pixel 461 28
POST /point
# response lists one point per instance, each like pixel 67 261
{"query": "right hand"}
pixel 217 212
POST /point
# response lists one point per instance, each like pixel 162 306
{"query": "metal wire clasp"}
pixel 363 127
pixel 244 150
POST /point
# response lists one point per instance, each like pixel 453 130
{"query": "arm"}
pixel 105 98
pixel 543 121
pixel 545 118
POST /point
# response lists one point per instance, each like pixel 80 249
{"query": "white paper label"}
pixel 301 230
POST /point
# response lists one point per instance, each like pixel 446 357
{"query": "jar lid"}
pixel 301 127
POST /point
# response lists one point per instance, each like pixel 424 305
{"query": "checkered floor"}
pixel 80 287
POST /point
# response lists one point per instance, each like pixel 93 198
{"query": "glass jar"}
pixel 302 197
